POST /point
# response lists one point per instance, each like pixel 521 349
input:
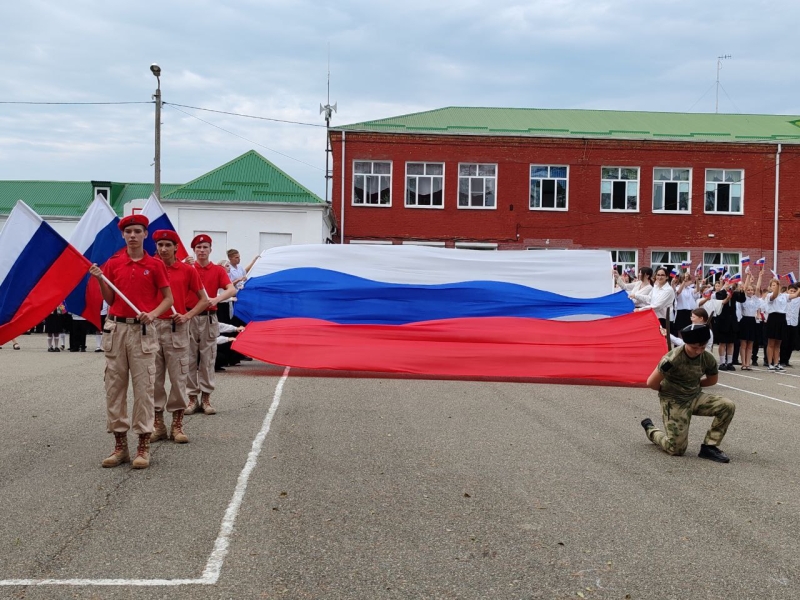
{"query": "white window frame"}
pixel 423 243
pixel 672 261
pixel 105 189
pixel 621 265
pixel 425 165
pixel 733 267
pixel 372 174
pixel 661 183
pixel 476 245
pixel 612 181
pixel 373 242
pixel 549 178
pixel 470 178
pixel 715 186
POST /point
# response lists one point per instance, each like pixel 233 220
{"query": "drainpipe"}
pixel 777 203
pixel 341 224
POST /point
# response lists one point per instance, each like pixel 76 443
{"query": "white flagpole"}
pixel 121 295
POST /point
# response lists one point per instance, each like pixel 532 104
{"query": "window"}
pixel 724 191
pixel 104 192
pixel 372 183
pixel 373 242
pixel 548 188
pixel 625 260
pixel 720 260
pixel 425 185
pixel 671 189
pixel 619 188
pixel 476 245
pixel 477 185
pixel 667 259
pixel 423 243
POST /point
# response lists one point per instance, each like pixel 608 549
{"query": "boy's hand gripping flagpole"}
pixel 125 300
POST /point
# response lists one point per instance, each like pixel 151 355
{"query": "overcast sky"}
pixel 268 58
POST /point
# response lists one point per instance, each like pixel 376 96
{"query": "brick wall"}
pixel 513 226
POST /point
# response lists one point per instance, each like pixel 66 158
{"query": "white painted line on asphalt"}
pixel 745 376
pixel 730 387
pixel 217 558
pixel 794 387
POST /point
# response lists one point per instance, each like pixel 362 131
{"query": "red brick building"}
pixel 654 188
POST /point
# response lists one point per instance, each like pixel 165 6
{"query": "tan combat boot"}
pixel 176 429
pixel 159 428
pixel 207 408
pixel 120 454
pixel 142 460
pixel 192 408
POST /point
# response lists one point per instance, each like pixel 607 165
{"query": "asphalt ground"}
pixel 372 488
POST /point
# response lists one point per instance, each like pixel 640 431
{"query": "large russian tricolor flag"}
pixel 159 219
pixel 98 238
pixel 446 312
pixel 38 268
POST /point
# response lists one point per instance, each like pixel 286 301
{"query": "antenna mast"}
pixel 719 67
pixel 328 110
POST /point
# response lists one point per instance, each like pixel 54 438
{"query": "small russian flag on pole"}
pixel 745 261
pixel 712 271
pixel 791 277
pixel 762 260
pixel 674 272
pixel 775 275
pixel 736 278
pixel 699 269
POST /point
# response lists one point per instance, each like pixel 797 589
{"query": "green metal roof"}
pixel 248 178
pixel 48 198
pixel 599 124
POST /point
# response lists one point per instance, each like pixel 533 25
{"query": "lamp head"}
pixel 155 69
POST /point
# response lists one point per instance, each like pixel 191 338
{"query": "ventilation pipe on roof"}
pixel 777 206
pixel 341 224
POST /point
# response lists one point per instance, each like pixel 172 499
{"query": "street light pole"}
pixel 156 70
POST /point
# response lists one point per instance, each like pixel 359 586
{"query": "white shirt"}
pixel 686 299
pixel 236 273
pixel 749 306
pixel 793 312
pixel 778 305
pixel 660 299
pixel 640 291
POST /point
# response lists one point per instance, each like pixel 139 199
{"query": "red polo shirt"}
pixel 213 278
pixel 184 283
pixel 140 280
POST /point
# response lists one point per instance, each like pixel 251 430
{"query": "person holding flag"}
pixel 205 327
pixel 173 339
pixel 136 287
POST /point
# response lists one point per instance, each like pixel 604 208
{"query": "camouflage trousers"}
pixel 675 437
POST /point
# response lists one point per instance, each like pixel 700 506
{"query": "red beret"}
pixel 201 239
pixel 137 219
pixel 166 234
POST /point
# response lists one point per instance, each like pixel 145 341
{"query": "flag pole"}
pixel 121 295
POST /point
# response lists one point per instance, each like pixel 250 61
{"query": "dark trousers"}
pixel 788 343
pixel 77 335
pixel 760 341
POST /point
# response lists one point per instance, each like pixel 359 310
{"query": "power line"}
pixel 224 112
pixel 72 103
pixel 242 137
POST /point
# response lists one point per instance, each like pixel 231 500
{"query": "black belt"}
pixel 206 312
pixel 125 320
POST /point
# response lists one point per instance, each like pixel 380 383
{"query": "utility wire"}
pixel 244 138
pixel 72 103
pixel 223 112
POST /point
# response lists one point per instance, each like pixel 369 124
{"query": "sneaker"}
pixel 771 368
pixel 731 367
pixel 779 368
pixel 98 349
pixel 713 453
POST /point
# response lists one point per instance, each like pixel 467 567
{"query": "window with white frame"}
pixel 548 187
pixel 425 185
pixel 619 188
pixel 724 191
pixel 625 260
pixel 477 185
pixel 668 259
pixel 476 245
pixel 105 192
pixel 671 189
pixel 372 183
pixel 718 261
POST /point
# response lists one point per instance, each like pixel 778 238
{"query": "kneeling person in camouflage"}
pixel 679 378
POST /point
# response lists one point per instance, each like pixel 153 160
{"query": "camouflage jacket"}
pixel 682 381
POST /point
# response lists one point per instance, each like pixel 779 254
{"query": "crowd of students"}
pixel 744 316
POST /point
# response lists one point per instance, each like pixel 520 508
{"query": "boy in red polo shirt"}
pixel 205 326
pixel 173 338
pixel 129 339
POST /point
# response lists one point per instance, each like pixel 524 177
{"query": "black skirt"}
pixel 747 329
pixel 52 323
pixel 775 323
pixel 683 318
